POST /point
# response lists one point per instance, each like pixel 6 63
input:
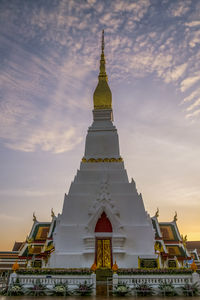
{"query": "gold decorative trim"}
pixel 108 106
pixel 97 160
pixel 49 248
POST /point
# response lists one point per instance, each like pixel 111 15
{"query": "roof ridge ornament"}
pixel 34 217
pixel 175 217
pixel 157 213
pixel 52 213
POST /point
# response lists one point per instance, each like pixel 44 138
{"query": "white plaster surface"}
pixel 99 187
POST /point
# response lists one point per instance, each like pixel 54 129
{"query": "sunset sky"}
pixel 49 57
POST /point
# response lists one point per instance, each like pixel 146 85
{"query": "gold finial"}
pixel 102 95
pixel 102 73
pixel 157 213
pixel 184 239
pixel 52 213
pixel 175 217
pixel 102 42
pixel 34 217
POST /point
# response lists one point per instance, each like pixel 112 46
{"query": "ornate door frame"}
pixel 103 238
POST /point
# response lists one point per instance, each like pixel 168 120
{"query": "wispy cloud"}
pixel 180 8
pixel 27 193
pixel 6 217
pixel 192 24
pixel 48 61
pixel 193 114
pixel 194 105
pixel 188 82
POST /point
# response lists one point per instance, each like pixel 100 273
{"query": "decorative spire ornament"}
pixel 102 95
pixel 175 217
pixel 157 213
pixel 34 217
pixel 52 213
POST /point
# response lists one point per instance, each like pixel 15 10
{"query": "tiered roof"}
pixel 40 239
pixel 168 239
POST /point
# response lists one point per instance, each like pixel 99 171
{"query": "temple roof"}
pixel 191 245
pixel 17 246
pixel 170 231
pixel 39 239
pixel 39 231
pixel 8 255
pixel 177 250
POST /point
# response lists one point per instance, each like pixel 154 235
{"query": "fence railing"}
pixel 50 281
pixel 154 280
pixel 47 280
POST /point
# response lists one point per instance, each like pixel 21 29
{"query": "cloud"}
pixel 192 96
pixel 180 8
pixel 189 82
pixel 53 52
pixel 52 140
pixel 192 24
pixel 193 114
pixel 195 38
pixel 138 9
pixel 176 73
pixel 7 218
pixel 27 193
pixel 194 105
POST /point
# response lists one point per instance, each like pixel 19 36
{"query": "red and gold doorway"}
pixel 103 249
pixel 103 253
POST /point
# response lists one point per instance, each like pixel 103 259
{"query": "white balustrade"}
pixel 73 281
pixel 155 280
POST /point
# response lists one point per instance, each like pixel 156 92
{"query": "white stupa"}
pixel 103 217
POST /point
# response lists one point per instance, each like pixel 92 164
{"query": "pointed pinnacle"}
pixel 102 41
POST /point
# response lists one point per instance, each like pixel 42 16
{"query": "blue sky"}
pixel 49 54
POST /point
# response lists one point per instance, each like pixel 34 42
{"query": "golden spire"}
pixel 102 95
pixel 102 73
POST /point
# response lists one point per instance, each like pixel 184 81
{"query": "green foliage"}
pixel 37 289
pixel 3 291
pixel 15 289
pixel 72 271
pixel 144 289
pixel 61 289
pixel 84 289
pixel 121 289
pixel 190 289
pixel 154 271
pixel 167 289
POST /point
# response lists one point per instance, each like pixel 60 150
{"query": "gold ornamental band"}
pixel 97 160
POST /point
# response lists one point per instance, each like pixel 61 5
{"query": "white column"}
pixel 93 276
pixel 115 279
pixel 12 279
pixel 195 278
